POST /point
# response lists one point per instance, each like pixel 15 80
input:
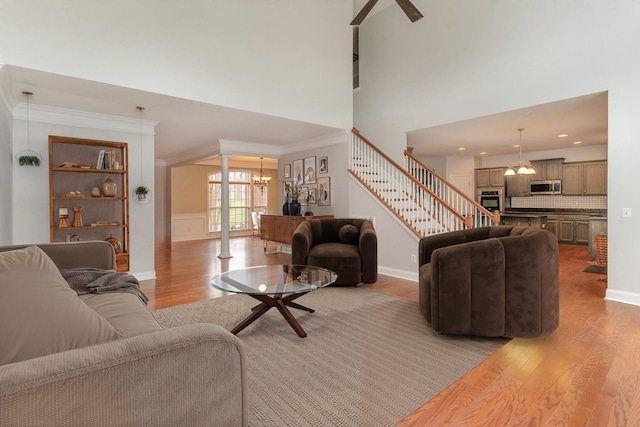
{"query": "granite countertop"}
pixel 552 211
pixel 524 214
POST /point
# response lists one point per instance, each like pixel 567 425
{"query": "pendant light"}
pixel 28 157
pixel 141 194
pixel 261 181
pixel 521 167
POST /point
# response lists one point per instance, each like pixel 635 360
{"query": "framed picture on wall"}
pixel 287 170
pixel 323 164
pixel 312 196
pixel 310 170
pixel 298 172
pixel 324 191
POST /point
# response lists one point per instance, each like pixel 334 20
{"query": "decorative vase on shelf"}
pixel 285 207
pixel 294 208
pixel 109 188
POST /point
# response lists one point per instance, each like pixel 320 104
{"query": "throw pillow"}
pixel 349 234
pixel 39 313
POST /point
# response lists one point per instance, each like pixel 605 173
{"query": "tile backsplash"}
pixel 560 202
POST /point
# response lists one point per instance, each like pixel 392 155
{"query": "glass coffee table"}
pixel 274 286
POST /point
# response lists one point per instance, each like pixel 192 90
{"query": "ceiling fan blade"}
pixel 364 12
pixel 411 11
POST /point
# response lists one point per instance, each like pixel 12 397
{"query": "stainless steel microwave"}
pixel 553 186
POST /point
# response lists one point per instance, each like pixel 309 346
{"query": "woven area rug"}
pixel 369 358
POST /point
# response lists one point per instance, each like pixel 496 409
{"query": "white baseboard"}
pixel 623 296
pixel 400 274
pixel 145 275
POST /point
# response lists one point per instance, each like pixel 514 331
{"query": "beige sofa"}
pixel 129 371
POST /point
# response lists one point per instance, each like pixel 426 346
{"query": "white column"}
pixel 224 233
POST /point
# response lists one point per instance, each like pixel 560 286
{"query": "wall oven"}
pixel 491 200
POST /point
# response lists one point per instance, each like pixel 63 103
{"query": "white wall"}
pixel 30 201
pixel 6 164
pixel 161 204
pixel 395 243
pixel 336 150
pixel 288 58
pixel 471 59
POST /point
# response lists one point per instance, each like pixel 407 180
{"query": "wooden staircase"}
pixel 421 199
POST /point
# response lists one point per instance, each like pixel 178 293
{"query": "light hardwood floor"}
pixel 587 373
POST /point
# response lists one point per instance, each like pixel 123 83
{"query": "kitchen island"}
pixel 531 219
pixel 571 226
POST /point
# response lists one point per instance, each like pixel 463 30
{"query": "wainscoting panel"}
pixel 188 227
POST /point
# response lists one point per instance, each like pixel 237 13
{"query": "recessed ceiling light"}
pixel 563 135
pixel 576 142
pixel 461 149
pixel 516 146
pixel 483 153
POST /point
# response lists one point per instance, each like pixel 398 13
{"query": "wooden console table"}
pixel 280 228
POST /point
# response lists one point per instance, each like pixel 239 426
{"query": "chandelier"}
pixel 261 181
pixel 521 167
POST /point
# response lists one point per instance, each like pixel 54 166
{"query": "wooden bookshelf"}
pixel 81 174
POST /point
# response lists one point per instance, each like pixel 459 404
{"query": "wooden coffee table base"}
pixel 267 302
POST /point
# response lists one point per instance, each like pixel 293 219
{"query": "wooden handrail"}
pixel 457 190
pixel 407 174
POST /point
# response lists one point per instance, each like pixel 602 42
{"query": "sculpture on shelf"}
pixel 77 217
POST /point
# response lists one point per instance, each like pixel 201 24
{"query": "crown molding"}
pixel 243 148
pixel 315 143
pixel 5 82
pixel 63 116
pixel 204 152
pixel 254 149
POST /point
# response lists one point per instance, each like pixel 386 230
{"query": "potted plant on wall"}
pixel 29 160
pixel 141 193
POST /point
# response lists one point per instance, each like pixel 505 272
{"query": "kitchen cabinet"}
pixel 518 185
pixel 573 229
pixel 88 193
pixel 547 169
pixel 594 178
pixel 490 177
pixel 572 179
pixel 585 178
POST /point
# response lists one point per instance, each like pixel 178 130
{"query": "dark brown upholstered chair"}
pixel 490 281
pixel 348 246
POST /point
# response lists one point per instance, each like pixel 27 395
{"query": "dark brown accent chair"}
pixel 490 281
pixel 348 246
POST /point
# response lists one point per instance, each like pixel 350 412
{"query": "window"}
pixel 260 197
pixel 239 203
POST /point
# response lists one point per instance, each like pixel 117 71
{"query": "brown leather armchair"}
pixel 348 246
pixel 490 281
